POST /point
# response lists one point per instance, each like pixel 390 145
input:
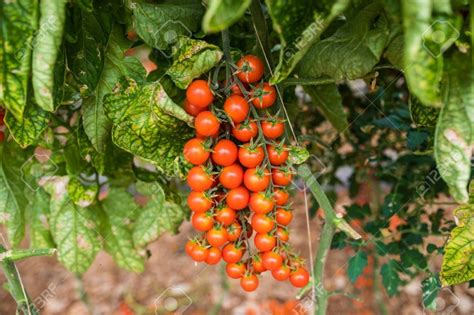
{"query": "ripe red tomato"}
pixel 214 256
pixel 245 132
pixel 2 116
pixel 257 264
pixel 225 153
pixel 237 108
pixel 256 179
pixel 199 201
pixel 250 69
pixel 202 221
pixel 233 231
pixel 235 270
pixel 263 95
pixel 272 260
pixel 231 253
pixel 2 136
pixel 199 94
pixel 277 154
pixel 261 203
pixel 217 236
pixel 238 198
pixel 199 179
pixel 281 196
pixel 199 253
pixel 206 124
pixel 249 282
pixel 283 217
pixel 251 156
pixel 261 223
pixel 282 234
pixel 282 273
pixel 196 152
pixel 189 247
pixel 225 215
pixel 281 177
pixel 193 110
pixel 264 242
pixel 300 277
pixel 273 129
pixel 231 176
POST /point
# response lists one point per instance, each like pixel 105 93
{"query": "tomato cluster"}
pixel 2 116
pixel 238 180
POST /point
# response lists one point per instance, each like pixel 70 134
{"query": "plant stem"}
pixel 306 81
pixel 260 26
pixel 18 254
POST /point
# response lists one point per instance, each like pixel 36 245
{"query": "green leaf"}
pixel 118 211
pixel 353 50
pixel 192 58
pixel 430 287
pixel 454 136
pixel 18 22
pixel 81 195
pixel 96 124
pixel 221 14
pixel 356 265
pixel 159 24
pixel 412 257
pixel 390 278
pixel 298 30
pixel 27 130
pixel 392 204
pixel 37 214
pixel 297 155
pixel 394 52
pixel 328 100
pixel 146 123
pixel 47 53
pixel 157 216
pixel 421 115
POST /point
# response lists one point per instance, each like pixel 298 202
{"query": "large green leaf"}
pixel 221 14
pixel 390 278
pixel 18 22
pixel 47 53
pixel 454 137
pixel 192 58
pixel 356 265
pixel 96 124
pixel 159 24
pixel 147 123
pixel 328 100
pixel 157 216
pixel 298 30
pixel 353 50
pixel 37 214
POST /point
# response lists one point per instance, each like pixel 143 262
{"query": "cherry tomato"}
pixel 272 260
pixel 235 270
pixel 273 129
pixel 233 231
pixel 277 154
pixel 263 95
pixel 299 278
pixel 282 234
pixel 199 179
pixel 281 177
pixel 206 124
pixel 238 198
pixel 251 156
pixel 225 215
pixel 249 283
pixel 281 196
pixel 193 110
pixel 2 116
pixel 237 108
pixel 260 203
pixel 217 236
pixel 202 221
pixel 261 223
pixel 195 151
pixel 199 201
pixel 231 176
pixel 189 247
pixel 231 253
pixel 199 93
pixel 256 180
pixel 283 217
pixel 199 253
pixel 257 264
pixel 264 242
pixel 250 69
pixel 282 273
pixel 225 153
pixel 214 256
pixel 245 132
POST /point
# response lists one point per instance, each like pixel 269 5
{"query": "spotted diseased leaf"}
pixel 81 195
pixel 430 287
pixel 297 155
pixel 147 123
pixel 221 14
pixel 37 214
pixel 157 216
pixel 28 129
pixel 454 136
pixel 192 58
pixel 18 22
pixel 356 265
pixel 353 50
pixel 424 116
pixel 158 24
pixel 390 278
pixel 48 59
